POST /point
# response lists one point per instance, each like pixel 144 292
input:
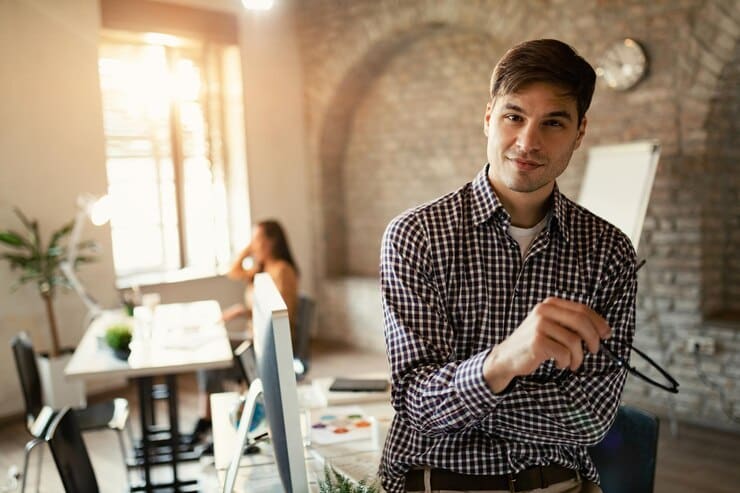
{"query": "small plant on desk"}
pixel 118 337
pixel 335 482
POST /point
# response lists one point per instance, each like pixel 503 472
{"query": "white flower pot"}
pixel 58 390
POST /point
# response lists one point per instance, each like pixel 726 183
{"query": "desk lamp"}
pixel 98 211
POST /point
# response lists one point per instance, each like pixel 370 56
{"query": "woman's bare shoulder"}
pixel 282 269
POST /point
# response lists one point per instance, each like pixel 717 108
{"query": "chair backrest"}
pixel 246 362
pixel 28 373
pixel 304 322
pixel 626 457
pixel 70 453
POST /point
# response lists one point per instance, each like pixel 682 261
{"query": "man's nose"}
pixel 529 138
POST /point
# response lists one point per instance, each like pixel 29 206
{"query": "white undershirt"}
pixel 525 236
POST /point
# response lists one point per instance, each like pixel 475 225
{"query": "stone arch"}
pixel 386 32
pixel 337 126
pixel 708 140
pixel 720 274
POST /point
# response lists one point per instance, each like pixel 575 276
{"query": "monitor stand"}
pixel 255 389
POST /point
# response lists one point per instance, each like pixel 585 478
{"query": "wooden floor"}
pixel 698 460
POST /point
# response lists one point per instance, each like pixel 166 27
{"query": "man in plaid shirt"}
pixel 497 297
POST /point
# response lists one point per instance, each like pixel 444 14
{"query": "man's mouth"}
pixel 525 164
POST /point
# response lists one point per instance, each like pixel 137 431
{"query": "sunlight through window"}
pixel 166 116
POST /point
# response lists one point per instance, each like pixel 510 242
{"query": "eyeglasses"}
pixel 670 384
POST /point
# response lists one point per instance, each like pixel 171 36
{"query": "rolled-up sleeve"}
pixel 432 392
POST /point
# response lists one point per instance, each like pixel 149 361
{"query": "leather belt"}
pixel 528 479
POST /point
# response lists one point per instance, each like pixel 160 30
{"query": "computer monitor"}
pixel 277 384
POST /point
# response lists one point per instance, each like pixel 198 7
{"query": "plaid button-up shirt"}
pixel 454 284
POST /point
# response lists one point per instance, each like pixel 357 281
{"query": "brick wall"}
pixel 721 219
pixel 395 92
pixel 417 133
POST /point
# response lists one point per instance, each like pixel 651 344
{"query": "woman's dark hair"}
pixel 279 242
pixel 545 60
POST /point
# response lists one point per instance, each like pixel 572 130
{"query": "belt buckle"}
pixel 512 480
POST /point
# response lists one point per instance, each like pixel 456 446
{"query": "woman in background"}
pixel 270 253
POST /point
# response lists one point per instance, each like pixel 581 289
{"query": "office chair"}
pixel 246 362
pixel 304 323
pixel 111 414
pixel 626 457
pixel 70 453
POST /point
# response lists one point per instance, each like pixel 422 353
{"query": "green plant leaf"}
pixel 56 251
pixel 16 260
pixel 85 259
pixel 32 226
pixel 13 239
pixel 335 482
pixel 118 336
pixel 59 234
pixel 26 222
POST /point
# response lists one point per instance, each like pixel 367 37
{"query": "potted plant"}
pixel 335 482
pixel 118 338
pixel 40 263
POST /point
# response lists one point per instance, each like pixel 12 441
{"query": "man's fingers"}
pixel 570 340
pixel 576 321
pixel 597 320
pixel 556 351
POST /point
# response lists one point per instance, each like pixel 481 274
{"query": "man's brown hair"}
pixel 545 60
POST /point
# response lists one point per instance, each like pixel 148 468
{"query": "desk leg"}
pixel 174 424
pixel 146 409
pixel 161 446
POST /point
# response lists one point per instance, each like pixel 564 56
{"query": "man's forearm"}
pixel 441 399
pixel 577 410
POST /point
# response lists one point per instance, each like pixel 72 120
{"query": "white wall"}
pixel 276 137
pixel 52 149
pixel 51 136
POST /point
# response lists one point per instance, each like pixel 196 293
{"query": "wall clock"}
pixel 623 65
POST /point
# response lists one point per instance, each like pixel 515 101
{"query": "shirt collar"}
pixel 486 205
pixel 559 219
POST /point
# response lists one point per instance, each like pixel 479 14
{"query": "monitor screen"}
pixel 273 352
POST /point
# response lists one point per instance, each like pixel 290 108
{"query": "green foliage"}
pixel 38 263
pixel 335 482
pixel 41 264
pixel 118 336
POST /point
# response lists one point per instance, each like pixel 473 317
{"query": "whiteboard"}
pixel 618 182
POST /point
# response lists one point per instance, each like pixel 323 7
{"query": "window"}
pixel 175 155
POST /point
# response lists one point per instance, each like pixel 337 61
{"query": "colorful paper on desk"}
pixel 339 424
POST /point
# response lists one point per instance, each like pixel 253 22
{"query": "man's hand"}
pixel 555 329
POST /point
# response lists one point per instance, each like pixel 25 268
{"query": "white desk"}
pixel 184 337
pixel 357 459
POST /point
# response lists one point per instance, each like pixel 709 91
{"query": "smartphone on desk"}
pixel 359 385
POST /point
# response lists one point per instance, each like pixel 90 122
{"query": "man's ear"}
pixel 487 118
pixel 581 132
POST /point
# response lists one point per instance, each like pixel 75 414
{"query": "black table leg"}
pixel 160 446
pixel 174 424
pixel 147 411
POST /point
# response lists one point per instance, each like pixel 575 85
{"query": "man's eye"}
pixel 513 118
pixel 554 123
